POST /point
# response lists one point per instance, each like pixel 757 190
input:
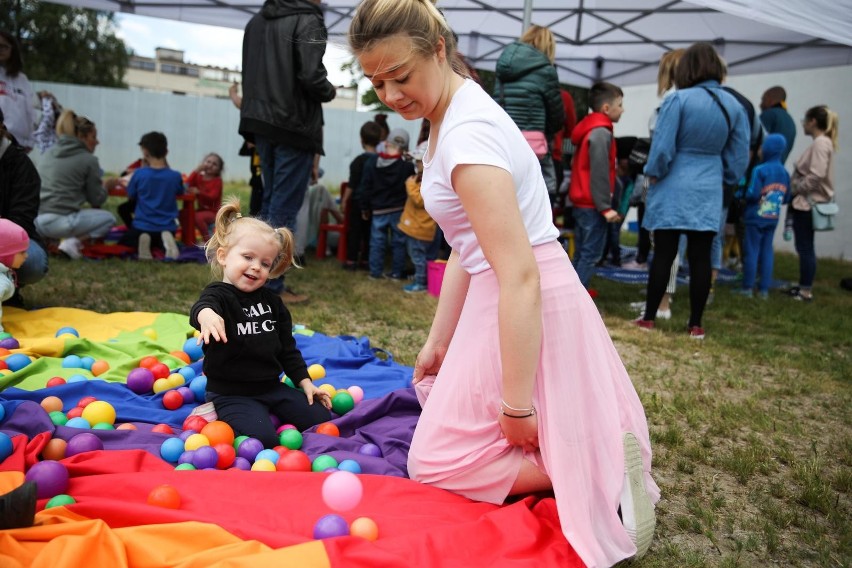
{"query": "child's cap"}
pixel 420 150
pixel 773 146
pixel 13 239
pixel 399 138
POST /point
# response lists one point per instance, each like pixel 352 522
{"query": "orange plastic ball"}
pixel 126 426
pixel 329 429
pixel 148 362
pixel 164 496
pixel 181 355
pixel 218 432
pixel 4 351
pixel 51 404
pixel 364 527
pixel 163 429
pixel 54 450
pixel 99 367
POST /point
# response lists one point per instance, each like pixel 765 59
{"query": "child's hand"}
pixel 313 393
pixel 612 216
pixel 211 324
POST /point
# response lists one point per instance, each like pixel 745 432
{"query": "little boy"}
pixel 768 191
pixel 593 177
pixel 155 188
pixel 384 198
pixel 416 223
pixel 358 231
pixel 14 243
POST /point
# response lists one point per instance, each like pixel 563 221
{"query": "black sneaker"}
pixel 16 301
pixel 17 507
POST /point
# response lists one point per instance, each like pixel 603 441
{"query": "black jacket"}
pixel 284 79
pixel 20 186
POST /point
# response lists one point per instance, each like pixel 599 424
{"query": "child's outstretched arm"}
pixel 211 324
pixel 313 393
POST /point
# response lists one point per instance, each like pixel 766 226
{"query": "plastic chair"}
pixel 340 228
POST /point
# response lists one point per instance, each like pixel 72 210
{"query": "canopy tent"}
pixel 615 40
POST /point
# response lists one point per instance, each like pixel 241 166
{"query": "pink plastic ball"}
pixel 357 393
pixel 342 490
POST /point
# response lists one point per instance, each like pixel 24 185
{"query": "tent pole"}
pixel 527 15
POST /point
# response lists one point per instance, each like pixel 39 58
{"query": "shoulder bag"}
pixel 823 215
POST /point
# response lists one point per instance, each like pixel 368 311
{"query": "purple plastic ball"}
pixel 140 380
pixel 187 394
pixel 186 457
pixel 276 422
pixel 186 434
pixel 205 457
pixel 370 450
pixel 85 442
pixel 50 477
pixel 9 343
pixel 249 449
pixel 241 463
pixel 330 526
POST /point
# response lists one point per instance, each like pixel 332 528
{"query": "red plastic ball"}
pixel 163 429
pixel 294 460
pixel 227 455
pixel 3 365
pixel 86 401
pixel 172 400
pixel 281 450
pixel 74 412
pixel 164 496
pixel 194 422
pixel 329 429
pixel 160 370
pixel 54 382
pixel 148 362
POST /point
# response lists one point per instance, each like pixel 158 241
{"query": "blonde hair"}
pixel 827 121
pixel 542 39
pixel 230 223
pixel 419 20
pixel 69 124
pixel 666 71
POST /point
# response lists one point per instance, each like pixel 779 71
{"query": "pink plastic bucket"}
pixel 435 276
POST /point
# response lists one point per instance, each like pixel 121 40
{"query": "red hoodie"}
pixel 589 189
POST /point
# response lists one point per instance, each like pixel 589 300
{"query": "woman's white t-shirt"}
pixel 476 130
pixel 17 100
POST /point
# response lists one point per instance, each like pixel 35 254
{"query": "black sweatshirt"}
pixel 260 341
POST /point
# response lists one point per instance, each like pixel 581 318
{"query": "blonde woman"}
pixel 521 386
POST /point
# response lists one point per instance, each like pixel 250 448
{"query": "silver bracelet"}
pixel 531 408
pixel 531 413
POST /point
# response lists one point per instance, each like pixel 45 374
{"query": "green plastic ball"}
pixel 290 439
pixel 323 462
pixel 185 466
pixel 103 426
pixel 60 501
pixel 58 418
pixel 342 403
pixel 239 440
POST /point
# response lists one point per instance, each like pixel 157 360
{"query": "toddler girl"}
pixel 205 182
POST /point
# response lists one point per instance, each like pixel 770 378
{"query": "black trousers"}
pixel 250 415
pixel 698 248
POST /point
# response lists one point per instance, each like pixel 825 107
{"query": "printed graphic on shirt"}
pixel 771 201
pixel 258 325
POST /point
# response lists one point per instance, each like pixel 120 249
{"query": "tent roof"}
pixel 615 40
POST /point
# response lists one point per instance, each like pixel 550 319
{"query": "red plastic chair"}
pixel 340 228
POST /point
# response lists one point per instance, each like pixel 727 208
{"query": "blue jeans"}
pixel 803 231
pixel 35 267
pixel 417 253
pixel 758 250
pixel 589 239
pixel 378 243
pixel 286 175
pixel 719 242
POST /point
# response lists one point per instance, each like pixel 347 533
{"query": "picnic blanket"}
pixel 234 517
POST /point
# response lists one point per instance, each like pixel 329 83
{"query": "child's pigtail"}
pixel 227 214
pixel 286 257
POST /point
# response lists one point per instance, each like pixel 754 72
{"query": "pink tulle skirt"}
pixel 584 399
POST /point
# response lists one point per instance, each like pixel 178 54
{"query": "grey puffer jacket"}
pixel 528 88
pixel 284 79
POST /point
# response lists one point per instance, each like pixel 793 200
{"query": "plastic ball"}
pixel 330 526
pixel 87 362
pixel 75 412
pixel 86 401
pixel 218 432
pixel 350 466
pixel 163 429
pixel 323 462
pixel 269 455
pixel 60 501
pixel 148 362
pixel 263 465
pixel 328 429
pixel 55 382
pixel 205 457
pixel 172 400
pixel 9 343
pixel 72 362
pixel 50 477
pixel 17 361
pixel 365 528
pixel 171 449
pixel 184 436
pixel 100 367
pixel 126 426
pixel 160 385
pixel 164 496
pixel 342 403
pixel 276 422
pixel 187 372
pixel 357 393
pixel 227 454
pixel 103 426
pixel 328 389
pixel 68 331
pixel 191 348
pixel 342 491
pixel 316 372
pixel 291 439
pixel 99 411
pixel 2 412
pixel 284 427
pixel 175 380
pixel 199 386
pixel 150 333
pixel 6 447
pixel 140 380
pixel 239 440
pixel 81 443
pixel 241 463
pixel 181 355
pixel 77 378
pixel 250 448
pixel 3 364
pixel 51 404
pixel 58 418
pixel 186 457
pixel 196 441
pixel 78 422
pixel 54 449
pixel 281 450
pixel 370 450
pixel 185 467
pixel 194 422
pixel 160 370
pixel 186 394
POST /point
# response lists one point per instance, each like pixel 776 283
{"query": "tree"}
pixel 65 44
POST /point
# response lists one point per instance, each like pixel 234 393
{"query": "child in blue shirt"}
pixel 768 191
pixel 155 189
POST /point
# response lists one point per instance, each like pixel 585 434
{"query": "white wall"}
pixel 196 126
pixel 831 86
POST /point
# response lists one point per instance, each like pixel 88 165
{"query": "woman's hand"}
pixel 428 362
pixel 520 432
pixel 212 325
pixel 313 393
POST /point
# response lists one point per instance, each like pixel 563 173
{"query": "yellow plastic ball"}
pixel 150 333
pixel 316 372
pixel 98 412
pixel 161 385
pixel 196 441
pixel 327 388
pixel 262 465
pixel 176 380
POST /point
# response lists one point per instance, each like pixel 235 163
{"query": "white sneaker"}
pixel 633 265
pixel 637 511
pixel 144 252
pixel 170 245
pixel 72 247
pixel 661 314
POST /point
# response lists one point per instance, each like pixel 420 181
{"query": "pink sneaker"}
pixel 646 325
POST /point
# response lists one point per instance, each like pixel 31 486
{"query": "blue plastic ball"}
pixel 17 361
pixel 270 455
pixel 349 465
pixel 72 362
pixel 186 457
pixel 171 449
pixel 205 457
pixel 330 526
pixel 370 450
pixel 6 447
pixel 78 422
pixel 192 349
pixel 87 362
pixel 77 378
pixel 70 330
pixel 187 372
pixel 2 412
pixel 198 386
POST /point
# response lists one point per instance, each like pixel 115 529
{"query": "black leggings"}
pixel 699 244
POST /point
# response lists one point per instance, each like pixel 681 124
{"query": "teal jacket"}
pixel 527 87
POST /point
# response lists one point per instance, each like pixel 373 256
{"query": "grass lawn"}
pixel 750 428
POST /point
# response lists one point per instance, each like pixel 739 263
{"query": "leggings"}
pixel 698 248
